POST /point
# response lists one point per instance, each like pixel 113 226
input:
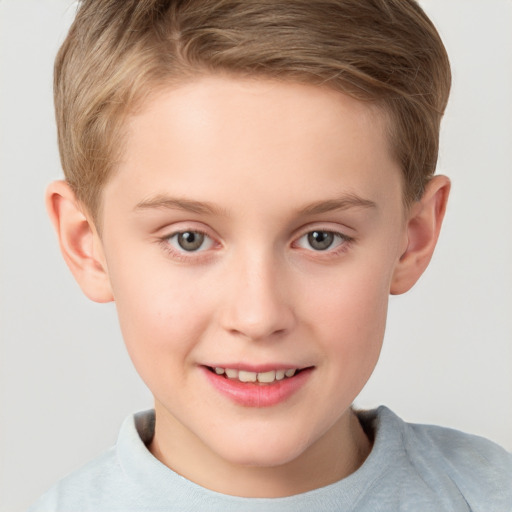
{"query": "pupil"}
pixel 190 241
pixel 320 240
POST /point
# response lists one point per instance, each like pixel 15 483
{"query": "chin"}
pixel 261 451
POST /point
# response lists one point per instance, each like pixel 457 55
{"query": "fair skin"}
pixel 253 226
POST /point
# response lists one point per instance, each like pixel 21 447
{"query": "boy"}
pixel 249 181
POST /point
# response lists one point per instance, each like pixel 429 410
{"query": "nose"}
pixel 258 302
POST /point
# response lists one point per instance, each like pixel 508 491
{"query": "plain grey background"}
pixel 65 380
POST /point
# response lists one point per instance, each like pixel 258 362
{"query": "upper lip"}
pixel 258 368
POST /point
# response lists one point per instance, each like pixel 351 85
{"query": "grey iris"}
pixel 190 240
pixel 320 240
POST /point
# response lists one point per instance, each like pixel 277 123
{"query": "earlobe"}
pixel 423 228
pixel 79 242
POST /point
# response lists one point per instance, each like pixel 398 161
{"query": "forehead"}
pixel 258 135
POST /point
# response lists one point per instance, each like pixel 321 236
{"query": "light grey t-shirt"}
pixel 415 468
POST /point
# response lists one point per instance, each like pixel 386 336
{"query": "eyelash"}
pixel 343 243
pixel 182 254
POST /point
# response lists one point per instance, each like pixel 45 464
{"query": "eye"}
pixel 320 240
pixel 190 241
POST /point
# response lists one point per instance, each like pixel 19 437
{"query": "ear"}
pixel 422 231
pixel 79 241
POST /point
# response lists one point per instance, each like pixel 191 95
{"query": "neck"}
pixel 337 454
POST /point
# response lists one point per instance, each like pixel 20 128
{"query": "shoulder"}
pixel 82 486
pixel 463 454
pixel 106 482
pixel 480 468
pixel 455 462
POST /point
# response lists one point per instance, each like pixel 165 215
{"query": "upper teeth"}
pixel 264 377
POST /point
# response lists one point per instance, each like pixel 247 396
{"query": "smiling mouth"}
pixel 268 377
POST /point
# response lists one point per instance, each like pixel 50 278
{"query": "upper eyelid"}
pixel 324 226
pixel 170 231
pixel 343 236
pixel 210 242
pixel 182 254
pixel 181 231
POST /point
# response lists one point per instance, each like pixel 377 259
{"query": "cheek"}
pixel 349 315
pixel 161 315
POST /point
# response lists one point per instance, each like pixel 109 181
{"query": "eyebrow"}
pixel 345 202
pixel 171 203
pixel 342 203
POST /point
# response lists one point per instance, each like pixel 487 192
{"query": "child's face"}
pixel 255 226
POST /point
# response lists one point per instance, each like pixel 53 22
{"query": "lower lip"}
pixel 251 394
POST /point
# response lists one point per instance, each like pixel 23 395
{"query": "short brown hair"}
pixel 118 51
